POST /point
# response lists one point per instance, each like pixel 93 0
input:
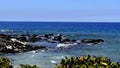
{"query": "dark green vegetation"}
pixel 73 62
pixel 5 63
pixel 28 66
pixel 87 62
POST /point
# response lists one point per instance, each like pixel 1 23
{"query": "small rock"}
pixel 95 41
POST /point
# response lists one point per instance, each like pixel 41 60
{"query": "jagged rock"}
pixel 21 43
pixel 33 38
pixel 22 39
pixel 47 35
pixel 12 45
pixel 57 38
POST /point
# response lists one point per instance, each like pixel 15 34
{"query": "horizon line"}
pixel 69 21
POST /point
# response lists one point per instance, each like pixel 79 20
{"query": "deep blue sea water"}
pixel 110 32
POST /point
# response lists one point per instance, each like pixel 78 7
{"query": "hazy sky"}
pixel 60 10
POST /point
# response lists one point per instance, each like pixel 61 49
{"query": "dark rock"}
pixel 95 41
pixel 28 38
pixel 33 38
pixel 34 35
pixel 2 35
pixel 5 36
pixel 59 34
pixel 65 40
pixel 73 40
pixel 22 39
pixel 9 46
pixel 46 35
pixel 57 38
pixel 50 34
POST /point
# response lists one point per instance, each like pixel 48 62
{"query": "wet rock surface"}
pixel 7 45
pixel 20 43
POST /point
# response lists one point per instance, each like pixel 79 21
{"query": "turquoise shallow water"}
pixel 110 32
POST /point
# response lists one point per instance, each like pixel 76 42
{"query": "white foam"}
pixel 9 47
pixel 3 30
pixel 6 30
pixel 15 40
pixel 33 51
pixel 42 50
pixel 52 61
pixel 64 45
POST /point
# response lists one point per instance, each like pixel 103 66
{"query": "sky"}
pixel 60 10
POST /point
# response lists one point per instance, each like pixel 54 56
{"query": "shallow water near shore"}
pixel 110 32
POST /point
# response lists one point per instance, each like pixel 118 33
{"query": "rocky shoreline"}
pixel 9 44
pixel 21 43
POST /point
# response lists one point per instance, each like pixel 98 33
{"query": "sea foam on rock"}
pixel 22 43
pixel 12 45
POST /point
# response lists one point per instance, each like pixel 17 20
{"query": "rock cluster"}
pixel 20 43
pixel 9 45
pixel 54 38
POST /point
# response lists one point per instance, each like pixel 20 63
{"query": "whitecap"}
pixel 6 30
pixel 33 51
pixel 52 61
pixel 3 30
pixel 64 45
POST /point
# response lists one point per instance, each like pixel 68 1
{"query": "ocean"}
pixel 109 31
